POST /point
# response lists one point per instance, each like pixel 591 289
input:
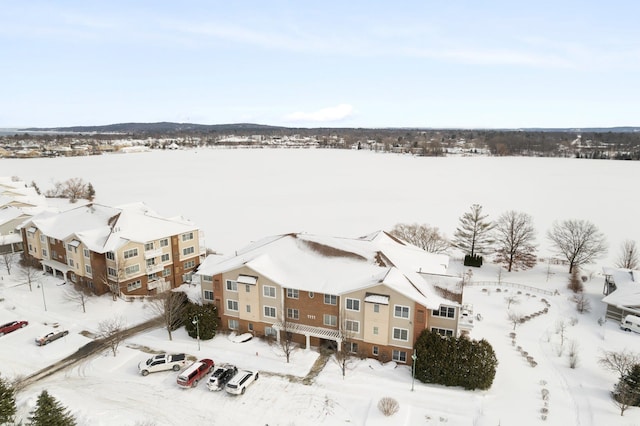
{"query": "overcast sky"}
pixel 470 64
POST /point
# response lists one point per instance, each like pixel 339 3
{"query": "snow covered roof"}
pixel 627 291
pixel 103 228
pixel 10 213
pixel 333 265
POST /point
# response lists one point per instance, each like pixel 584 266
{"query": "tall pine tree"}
pixel 50 412
pixel 7 401
pixel 473 235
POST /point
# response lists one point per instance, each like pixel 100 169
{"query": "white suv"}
pixel 240 381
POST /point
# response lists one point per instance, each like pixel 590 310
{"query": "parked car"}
pixel 631 323
pixel 162 362
pixel 192 375
pixel 12 326
pixel 50 337
pixel 220 376
pixel 238 385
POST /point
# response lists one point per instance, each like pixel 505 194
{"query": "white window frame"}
pixel 349 301
pixel 132 269
pixel 333 299
pixel 88 270
pixel 405 311
pixel 231 303
pixel 166 272
pixel 293 313
pixel 444 332
pixel 164 242
pixel 148 246
pixel 187 236
pixel 207 295
pixel 267 310
pixel 85 252
pixel 112 272
pixel 110 255
pixel 293 293
pixel 231 285
pixel 188 250
pixel 375 350
pixel 165 257
pixel 332 320
pixel 352 326
pixel 447 312
pixel 234 324
pixel 134 285
pixel 189 264
pixel 352 347
pixel 400 332
pixel 399 356
pixel 128 254
pixel 266 291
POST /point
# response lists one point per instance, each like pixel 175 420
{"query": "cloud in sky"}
pixel 334 113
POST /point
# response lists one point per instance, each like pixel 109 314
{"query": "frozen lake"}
pixel 240 195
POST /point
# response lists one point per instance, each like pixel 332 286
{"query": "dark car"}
pixel 50 337
pixel 12 326
pixel 221 376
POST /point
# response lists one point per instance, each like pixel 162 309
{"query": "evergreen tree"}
pixel 7 401
pixel 50 412
pixel 629 387
pixel 207 323
pixel 473 235
pixel 91 193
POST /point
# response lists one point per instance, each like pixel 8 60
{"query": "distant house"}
pixel 622 292
pixel 128 250
pixel 17 203
pixel 373 294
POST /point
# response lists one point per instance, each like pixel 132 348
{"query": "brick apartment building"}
pixel 374 294
pixel 127 250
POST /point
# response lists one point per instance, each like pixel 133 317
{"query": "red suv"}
pixel 193 373
pixel 12 326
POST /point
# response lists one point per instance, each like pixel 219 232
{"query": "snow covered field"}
pixel 241 195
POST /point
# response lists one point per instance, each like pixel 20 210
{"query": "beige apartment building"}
pixel 374 294
pixel 127 250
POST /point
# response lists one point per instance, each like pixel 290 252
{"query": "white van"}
pixel 630 323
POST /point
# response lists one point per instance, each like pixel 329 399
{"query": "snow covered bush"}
pixel 388 406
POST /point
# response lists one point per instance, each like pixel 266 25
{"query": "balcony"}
pixel 159 284
pixel 154 268
pixel 150 254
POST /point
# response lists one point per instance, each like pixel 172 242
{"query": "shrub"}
pixel 474 260
pixel 207 321
pixel 388 406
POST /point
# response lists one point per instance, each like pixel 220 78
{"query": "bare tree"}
pixel 561 329
pixel 30 275
pixel 110 330
pixel 515 239
pixel 583 304
pixel 621 362
pixel 345 350
pixel 573 354
pixel 7 261
pixel 74 189
pixel 170 307
pixel 623 396
pixel 578 241
pixel 473 235
pixel 286 335
pixel 629 257
pixel 511 300
pixel 514 318
pixel 79 295
pixel 426 237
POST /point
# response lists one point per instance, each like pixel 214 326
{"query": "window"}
pixel 42 238
pixel 249 308
pixel 247 288
pixel 151 262
pixel 188 250
pixel 187 236
pixel 234 324
pixel 134 285
pixel 112 272
pixel 132 269
pixel 148 246
pixel 71 262
pixel 375 330
pixel 376 308
pixel 207 278
pixel 375 350
pixel 232 305
pixel 353 304
pixel 400 311
pixel 270 331
pixel 399 356
pixel 269 311
pixel 401 334
pixel 208 295
pixel 85 252
pixel 352 326
pixel 292 293
pixel 330 320
pixel 87 269
pixel 232 285
pixel 130 253
pixel 330 299
pixel 443 331
pixel 164 242
pixel 166 272
pixel 293 313
pixel 73 277
pixel 268 291
pixel 111 256
pixel 352 347
pixel 311 295
pixel 44 251
pixel 72 248
pixel 250 327
pixel 445 311
pixel 189 264
pixel 165 257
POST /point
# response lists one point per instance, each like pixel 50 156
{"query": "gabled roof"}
pixel 627 291
pixel 333 265
pixel 102 228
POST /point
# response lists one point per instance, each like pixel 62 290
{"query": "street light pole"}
pixel 43 299
pixel 414 357
pixel 196 322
